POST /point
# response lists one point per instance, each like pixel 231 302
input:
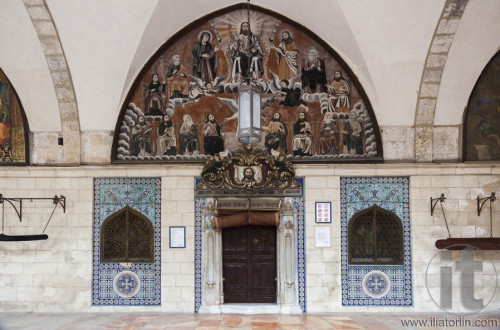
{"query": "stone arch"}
pixel 136 144
pixel 431 78
pixel 69 153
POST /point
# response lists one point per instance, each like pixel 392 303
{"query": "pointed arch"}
pixel 14 129
pixel 127 236
pixel 182 92
pixel 375 236
pixel 481 137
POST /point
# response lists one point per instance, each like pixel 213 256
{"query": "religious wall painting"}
pixel 13 132
pixel 183 106
pixel 482 120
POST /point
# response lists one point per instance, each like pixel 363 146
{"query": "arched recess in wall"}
pixel 127 236
pixel 13 126
pixel 482 116
pixel 375 238
pixel 197 73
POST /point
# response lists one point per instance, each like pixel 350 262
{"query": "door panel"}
pixel 249 256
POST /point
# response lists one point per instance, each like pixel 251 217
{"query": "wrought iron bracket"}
pixel 434 201
pixel 56 200
pixel 481 201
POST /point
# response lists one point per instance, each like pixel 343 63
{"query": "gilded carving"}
pixel 249 169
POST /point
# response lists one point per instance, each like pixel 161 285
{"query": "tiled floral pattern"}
pixel 144 196
pixel 390 193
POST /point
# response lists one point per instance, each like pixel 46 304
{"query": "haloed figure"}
pixel 287 57
pixel 141 139
pixel 212 138
pixel 302 138
pixel 247 54
pixel 205 58
pixel 188 137
pixel 166 142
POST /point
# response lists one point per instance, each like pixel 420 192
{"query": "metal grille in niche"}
pixel 127 236
pixel 375 237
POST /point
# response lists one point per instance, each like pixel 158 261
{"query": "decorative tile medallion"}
pixel 126 284
pixel 298 204
pixel 376 285
pixel 136 284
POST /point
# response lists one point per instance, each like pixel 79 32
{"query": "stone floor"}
pixel 74 321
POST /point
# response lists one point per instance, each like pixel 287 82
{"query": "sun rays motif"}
pixel 228 26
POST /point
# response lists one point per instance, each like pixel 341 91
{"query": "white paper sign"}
pixel 177 237
pixel 322 236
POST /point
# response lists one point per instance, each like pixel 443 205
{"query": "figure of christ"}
pixel 246 54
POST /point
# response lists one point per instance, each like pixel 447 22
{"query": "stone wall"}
pixel 56 275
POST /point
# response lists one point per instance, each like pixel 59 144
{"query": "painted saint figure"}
pixel 329 136
pixel 287 57
pixel 313 73
pixel 205 58
pixel 166 141
pixel 4 123
pixel 155 86
pixel 177 82
pixel 276 139
pixel 141 139
pixel 302 137
pixel 212 139
pixel 352 140
pixel 246 54
pixel 188 137
pixel 338 94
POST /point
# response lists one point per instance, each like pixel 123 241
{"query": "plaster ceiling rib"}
pixel 63 85
pixel 431 78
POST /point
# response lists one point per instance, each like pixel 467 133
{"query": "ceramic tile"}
pixel 111 195
pixel 390 193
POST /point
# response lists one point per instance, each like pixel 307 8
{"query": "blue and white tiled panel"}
pixel 376 285
pixel 113 283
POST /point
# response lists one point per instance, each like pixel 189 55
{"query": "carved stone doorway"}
pixel 249 264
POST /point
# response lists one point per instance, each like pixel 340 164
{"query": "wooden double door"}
pixel 249 270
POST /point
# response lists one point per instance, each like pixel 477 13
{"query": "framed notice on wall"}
pixel 177 237
pixel 323 212
pixel 322 236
